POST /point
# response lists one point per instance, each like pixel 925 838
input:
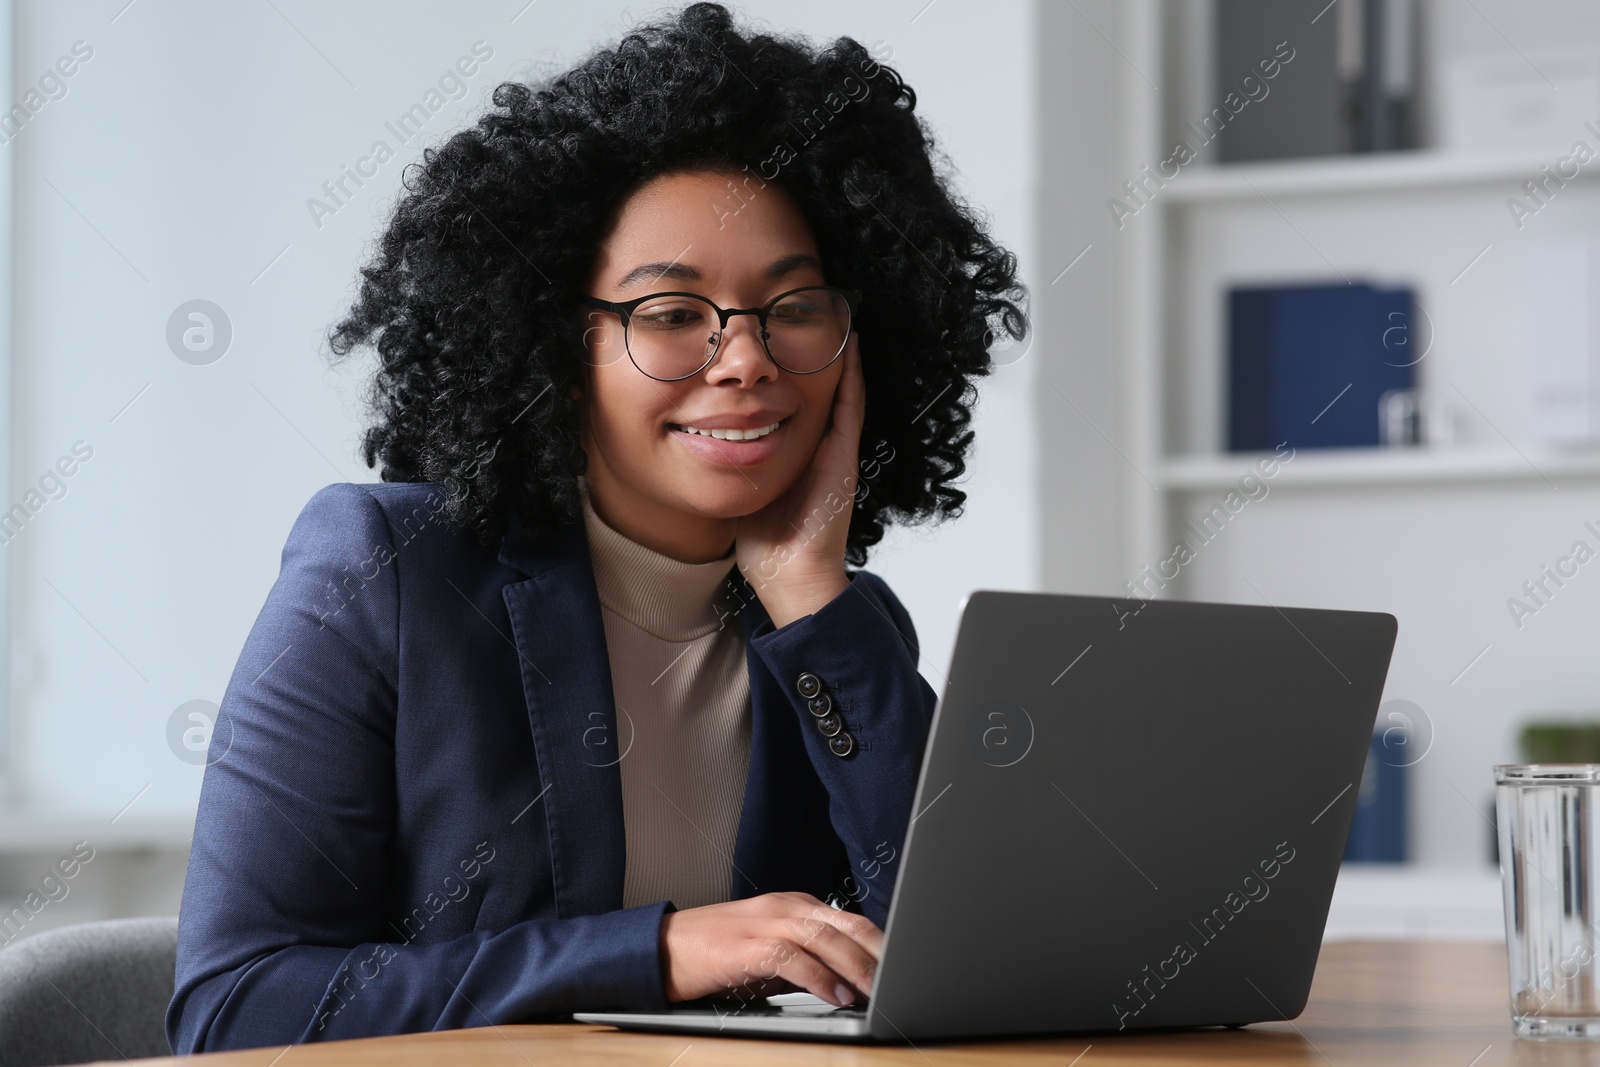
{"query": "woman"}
pixel 581 707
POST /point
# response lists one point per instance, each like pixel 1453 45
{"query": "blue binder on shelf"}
pixel 1308 364
pixel 1378 831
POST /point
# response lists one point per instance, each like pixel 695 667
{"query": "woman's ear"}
pixel 577 394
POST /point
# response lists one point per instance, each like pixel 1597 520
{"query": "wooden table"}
pixel 1372 1002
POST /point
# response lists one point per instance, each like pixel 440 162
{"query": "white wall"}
pixel 1083 152
pixel 177 166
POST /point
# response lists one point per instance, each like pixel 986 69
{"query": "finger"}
pixel 860 929
pixel 839 449
pixel 850 401
pixel 840 952
pixel 795 964
pixel 756 986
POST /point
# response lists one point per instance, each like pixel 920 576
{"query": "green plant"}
pixel 1561 742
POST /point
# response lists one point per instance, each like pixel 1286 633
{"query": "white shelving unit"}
pixel 1442 536
pixel 1175 471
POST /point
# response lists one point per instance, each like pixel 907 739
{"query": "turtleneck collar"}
pixel 667 598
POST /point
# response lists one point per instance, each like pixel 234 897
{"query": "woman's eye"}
pixel 666 316
pixel 795 312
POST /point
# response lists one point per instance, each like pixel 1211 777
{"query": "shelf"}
pixel 1384 466
pixel 32 831
pixel 1373 900
pixel 1420 171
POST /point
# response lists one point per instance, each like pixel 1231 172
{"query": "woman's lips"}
pixel 733 453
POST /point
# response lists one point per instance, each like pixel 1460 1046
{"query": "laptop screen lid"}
pixel 1131 814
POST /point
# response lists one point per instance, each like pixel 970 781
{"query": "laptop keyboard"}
pixel 789 1005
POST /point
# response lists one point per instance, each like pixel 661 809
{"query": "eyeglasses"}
pixel 672 336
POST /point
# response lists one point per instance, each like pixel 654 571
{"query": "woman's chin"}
pixel 737 502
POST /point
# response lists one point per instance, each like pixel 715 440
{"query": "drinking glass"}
pixel 1547 818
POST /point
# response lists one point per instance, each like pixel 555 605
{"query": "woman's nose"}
pixel 743 354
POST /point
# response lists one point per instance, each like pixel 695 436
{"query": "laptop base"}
pixel 800 1015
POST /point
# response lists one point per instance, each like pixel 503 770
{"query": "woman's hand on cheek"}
pixel 792 550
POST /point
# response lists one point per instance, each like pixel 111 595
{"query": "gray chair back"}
pixel 94 991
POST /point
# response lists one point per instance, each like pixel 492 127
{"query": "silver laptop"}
pixel 1130 816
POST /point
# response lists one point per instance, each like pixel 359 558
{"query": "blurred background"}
pixel 1311 286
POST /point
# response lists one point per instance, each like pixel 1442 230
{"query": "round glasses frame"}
pixel 625 308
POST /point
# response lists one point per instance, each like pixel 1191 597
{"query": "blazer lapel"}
pixel 566 680
pixel 784 839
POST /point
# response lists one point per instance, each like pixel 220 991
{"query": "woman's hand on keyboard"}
pixel 773 943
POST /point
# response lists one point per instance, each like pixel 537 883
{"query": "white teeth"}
pixel 732 435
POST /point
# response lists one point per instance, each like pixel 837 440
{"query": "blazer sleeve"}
pixel 287 890
pixel 862 647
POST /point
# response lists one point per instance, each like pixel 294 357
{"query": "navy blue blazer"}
pixel 411 817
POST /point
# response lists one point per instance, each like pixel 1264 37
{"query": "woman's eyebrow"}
pixel 655 271
pixel 791 263
pixel 684 272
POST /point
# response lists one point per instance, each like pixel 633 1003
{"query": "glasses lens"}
pixel 807 329
pixel 672 336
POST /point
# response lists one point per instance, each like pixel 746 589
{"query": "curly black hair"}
pixel 470 297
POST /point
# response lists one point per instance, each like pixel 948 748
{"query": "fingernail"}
pixel 844 995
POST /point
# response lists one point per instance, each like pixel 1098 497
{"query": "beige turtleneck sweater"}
pixel 683 716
